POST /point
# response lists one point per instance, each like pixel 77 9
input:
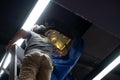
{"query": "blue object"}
pixel 63 65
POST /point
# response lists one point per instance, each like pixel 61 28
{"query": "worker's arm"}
pixel 20 34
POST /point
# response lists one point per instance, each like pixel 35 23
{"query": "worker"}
pixel 37 63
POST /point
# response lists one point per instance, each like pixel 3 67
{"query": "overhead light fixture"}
pixel 30 21
pixel 35 14
pixel 109 68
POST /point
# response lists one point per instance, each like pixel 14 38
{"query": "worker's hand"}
pixel 9 46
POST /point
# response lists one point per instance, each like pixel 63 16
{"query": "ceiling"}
pixel 99 28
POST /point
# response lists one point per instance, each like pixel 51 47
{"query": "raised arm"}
pixel 20 34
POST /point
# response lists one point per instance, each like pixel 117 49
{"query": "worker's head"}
pixel 39 29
